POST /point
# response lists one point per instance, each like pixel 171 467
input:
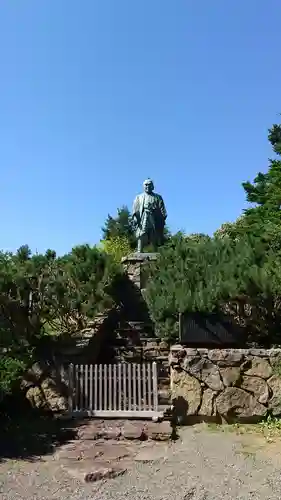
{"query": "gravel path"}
pixel 202 465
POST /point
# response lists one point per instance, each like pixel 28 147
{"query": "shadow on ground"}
pixel 30 437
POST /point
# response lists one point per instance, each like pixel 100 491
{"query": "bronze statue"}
pixel 150 215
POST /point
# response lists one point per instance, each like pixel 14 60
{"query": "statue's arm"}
pixel 136 209
pixel 162 207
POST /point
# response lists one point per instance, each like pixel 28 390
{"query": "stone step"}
pixel 128 430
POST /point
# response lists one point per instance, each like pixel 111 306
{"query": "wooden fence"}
pixel 117 390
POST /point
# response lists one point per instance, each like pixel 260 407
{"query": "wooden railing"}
pixel 117 390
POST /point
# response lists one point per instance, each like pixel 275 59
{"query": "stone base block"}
pixel 134 265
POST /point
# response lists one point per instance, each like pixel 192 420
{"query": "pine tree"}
pixel 121 226
pixel 206 275
pixel 42 296
pixel 263 220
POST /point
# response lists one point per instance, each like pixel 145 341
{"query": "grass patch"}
pixel 270 428
pixel 277 367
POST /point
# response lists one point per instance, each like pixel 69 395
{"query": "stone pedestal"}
pixel 138 319
pixel 135 267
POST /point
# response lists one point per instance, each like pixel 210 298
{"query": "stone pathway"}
pixel 106 449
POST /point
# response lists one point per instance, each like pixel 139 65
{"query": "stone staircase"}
pixel 106 449
pixel 121 430
pixel 136 343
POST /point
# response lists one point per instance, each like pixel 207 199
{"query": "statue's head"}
pixel 148 186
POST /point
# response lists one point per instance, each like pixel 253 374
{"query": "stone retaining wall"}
pixel 225 384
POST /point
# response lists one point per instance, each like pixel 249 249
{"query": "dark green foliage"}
pixel 41 295
pixel 265 191
pixel 274 137
pixel 83 285
pixel 263 220
pixel 11 371
pixel 213 275
pixel 238 270
pixel 120 226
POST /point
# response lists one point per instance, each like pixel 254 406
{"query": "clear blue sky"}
pixel 97 95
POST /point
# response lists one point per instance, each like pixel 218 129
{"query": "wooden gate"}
pixel 120 390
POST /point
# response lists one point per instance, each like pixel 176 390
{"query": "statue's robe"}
pixel 150 213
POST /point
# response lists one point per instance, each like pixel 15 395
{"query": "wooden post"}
pixel 86 386
pixel 124 366
pixel 139 387
pixel 70 388
pixel 149 368
pixel 129 387
pixel 155 386
pixel 115 387
pixel 91 388
pixel 100 388
pixel 109 387
pixel 96 388
pixel 81 387
pixel 135 405
pixel 119 386
pixel 144 386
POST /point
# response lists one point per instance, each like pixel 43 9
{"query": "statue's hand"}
pixel 137 219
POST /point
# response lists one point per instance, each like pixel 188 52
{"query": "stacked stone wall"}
pixel 227 384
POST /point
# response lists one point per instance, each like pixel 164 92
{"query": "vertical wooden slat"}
pixel 100 387
pixel 119 386
pixel 124 387
pixel 86 385
pixel 105 383
pixel 70 388
pixel 129 387
pixel 91 387
pixel 134 387
pixel 81 376
pixel 96 387
pixel 76 375
pixel 110 387
pixel 144 385
pixel 139 387
pixel 114 388
pixel 150 407
pixel 155 388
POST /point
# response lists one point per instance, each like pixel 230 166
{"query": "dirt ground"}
pixel 204 463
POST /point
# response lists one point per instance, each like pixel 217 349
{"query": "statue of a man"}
pixel 150 215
